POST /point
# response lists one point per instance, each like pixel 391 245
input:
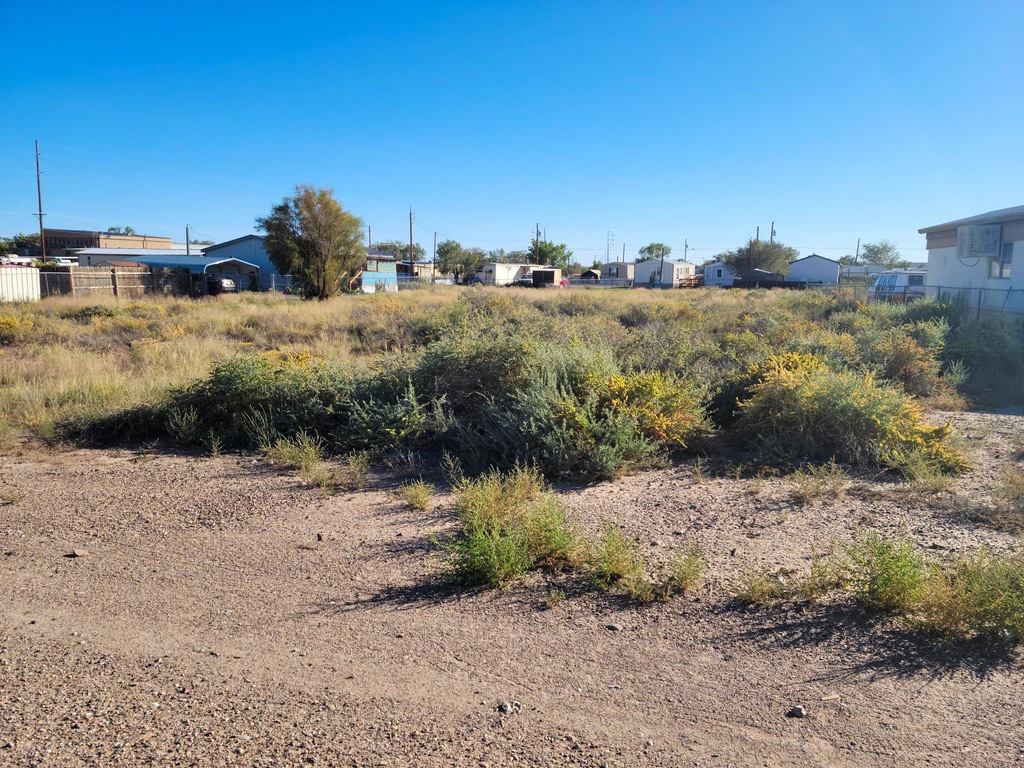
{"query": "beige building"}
pixel 65 242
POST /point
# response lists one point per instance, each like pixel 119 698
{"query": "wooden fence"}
pixel 123 282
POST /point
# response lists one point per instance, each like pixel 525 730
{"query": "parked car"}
pixel 897 286
pixel 219 284
pixel 473 280
pixel 522 282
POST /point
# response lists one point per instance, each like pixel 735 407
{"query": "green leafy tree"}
pixel 21 244
pixel 453 259
pixel 312 238
pixel 121 230
pixel 400 250
pixel 654 251
pixel 760 254
pixel 546 252
pixel 884 254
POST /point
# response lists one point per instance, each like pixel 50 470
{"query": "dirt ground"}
pixel 222 613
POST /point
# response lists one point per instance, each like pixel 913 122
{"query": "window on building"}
pixel 718 273
pixel 613 271
pixel 1001 268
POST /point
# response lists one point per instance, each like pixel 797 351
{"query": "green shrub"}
pixel 799 409
pixel 761 588
pixel 685 570
pixel 614 558
pixel 510 524
pixel 886 575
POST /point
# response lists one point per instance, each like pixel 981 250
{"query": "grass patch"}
pixel 303 452
pixel 415 495
pixel 822 481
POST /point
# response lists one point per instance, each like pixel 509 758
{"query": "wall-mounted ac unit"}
pixel 980 241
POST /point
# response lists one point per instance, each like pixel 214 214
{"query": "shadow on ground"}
pixel 877 648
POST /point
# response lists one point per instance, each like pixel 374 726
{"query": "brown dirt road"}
pixel 207 625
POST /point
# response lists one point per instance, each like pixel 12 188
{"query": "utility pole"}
pixel 856 254
pixel 188 248
pixel 623 253
pixel 39 193
pixel 772 238
pixel 536 245
pixel 369 236
pixel 661 269
pixel 686 251
pixel 410 236
pixel 757 237
pixel 433 258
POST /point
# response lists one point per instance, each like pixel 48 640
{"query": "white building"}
pixel 618 270
pixel 814 269
pixel 499 273
pixel 974 257
pixel 719 273
pixel 654 273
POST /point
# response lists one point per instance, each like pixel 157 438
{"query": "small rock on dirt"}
pixel 614 627
pixel 797 711
pixel 510 708
pixel 77 553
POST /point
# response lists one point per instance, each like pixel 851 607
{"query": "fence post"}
pixel 113 280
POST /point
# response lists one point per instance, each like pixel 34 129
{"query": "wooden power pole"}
pixel 410 236
pixel 39 194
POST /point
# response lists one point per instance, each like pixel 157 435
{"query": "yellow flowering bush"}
pixel 800 409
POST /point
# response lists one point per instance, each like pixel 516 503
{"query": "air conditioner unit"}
pixel 980 241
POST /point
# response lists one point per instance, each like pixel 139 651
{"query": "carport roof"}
pixel 196 264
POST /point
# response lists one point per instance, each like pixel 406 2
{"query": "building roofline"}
pixel 992 217
pixel 215 246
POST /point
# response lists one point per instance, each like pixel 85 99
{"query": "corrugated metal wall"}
pixel 19 283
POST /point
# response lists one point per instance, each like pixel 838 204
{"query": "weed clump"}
pixel 416 495
pixel 510 524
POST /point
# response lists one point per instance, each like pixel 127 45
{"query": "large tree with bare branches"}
pixel 312 238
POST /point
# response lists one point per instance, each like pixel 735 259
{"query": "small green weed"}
pixel 823 481
pixel 886 575
pixel 416 495
pixel 511 524
pixel 554 598
pixel 614 557
pixel 302 452
pixel 685 571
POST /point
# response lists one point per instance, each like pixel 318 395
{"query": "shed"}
pixel 379 272
pixel 814 269
pixel 501 273
pixel 590 274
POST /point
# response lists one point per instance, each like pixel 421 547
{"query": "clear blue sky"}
pixel 657 121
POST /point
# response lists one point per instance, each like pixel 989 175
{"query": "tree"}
pixel 759 254
pixel 129 230
pixel 848 260
pixel 400 250
pixel 453 259
pixel 654 251
pixel 201 242
pixel 884 254
pixel 22 244
pixel 546 252
pixel 312 238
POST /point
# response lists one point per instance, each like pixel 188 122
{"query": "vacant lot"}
pixel 208 623
pixel 226 583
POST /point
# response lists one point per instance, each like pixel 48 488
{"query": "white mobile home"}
pixel 655 273
pixel 499 273
pixel 974 257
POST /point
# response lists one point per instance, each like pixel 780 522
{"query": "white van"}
pixel 897 286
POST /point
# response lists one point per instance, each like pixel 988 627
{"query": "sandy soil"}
pixel 207 624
